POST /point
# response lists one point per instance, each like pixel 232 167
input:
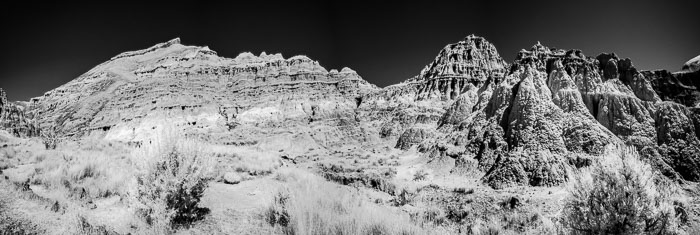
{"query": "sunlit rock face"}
pixel 14 118
pixel 191 87
pixel 472 61
pixel 524 123
pixel 556 106
pixel 693 65
pixel 444 92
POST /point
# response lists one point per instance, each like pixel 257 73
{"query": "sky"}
pixel 47 45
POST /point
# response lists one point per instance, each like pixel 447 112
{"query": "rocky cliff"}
pixel 411 111
pixel 225 100
pixel 557 108
pixel 693 65
pixel 525 123
pixel 14 119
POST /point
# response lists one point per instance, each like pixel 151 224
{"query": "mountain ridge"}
pixel 519 124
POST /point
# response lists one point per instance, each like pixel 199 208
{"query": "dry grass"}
pixel 311 205
pixel 246 161
pixel 79 169
pixel 515 222
pixel 255 162
pixel 98 174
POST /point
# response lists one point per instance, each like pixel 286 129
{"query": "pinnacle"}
pixel 174 41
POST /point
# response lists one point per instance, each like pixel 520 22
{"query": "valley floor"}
pixel 90 187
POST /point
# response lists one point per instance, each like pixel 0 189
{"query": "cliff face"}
pixel 693 65
pixel 556 107
pixel 525 123
pixel 470 61
pixel 190 87
pixel 14 119
pixel 411 112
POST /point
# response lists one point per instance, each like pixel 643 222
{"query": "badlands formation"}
pixel 527 122
pixel 468 107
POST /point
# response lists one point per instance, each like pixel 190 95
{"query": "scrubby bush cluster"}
pixel 12 224
pixel 172 183
pixel 420 175
pixel 50 138
pixel 622 195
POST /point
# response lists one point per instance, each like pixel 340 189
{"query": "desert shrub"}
pixel 10 223
pixel 433 215
pixel 463 190
pixel 420 175
pixel 311 205
pixel 404 197
pixel 378 179
pixel 85 227
pixel 171 184
pixel 277 214
pixel 622 195
pixel 50 138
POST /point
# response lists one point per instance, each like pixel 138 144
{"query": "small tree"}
pixel 621 196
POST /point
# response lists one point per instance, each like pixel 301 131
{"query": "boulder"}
pixel 232 178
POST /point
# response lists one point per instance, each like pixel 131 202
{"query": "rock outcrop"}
pixel 556 107
pixel 471 61
pixel 427 100
pixel 680 87
pixel 15 120
pixel 525 123
pixel 693 65
pixel 219 99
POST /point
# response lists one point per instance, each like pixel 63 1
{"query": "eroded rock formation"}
pixel 220 99
pixel 693 65
pixel 525 123
pixel 14 119
pixel 443 93
pixel 556 107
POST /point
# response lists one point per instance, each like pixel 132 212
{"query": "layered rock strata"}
pixel 525 123
pixel 556 107
pixel 410 112
pixel 15 120
pixel 203 94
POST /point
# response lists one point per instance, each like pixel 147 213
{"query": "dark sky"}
pixel 45 46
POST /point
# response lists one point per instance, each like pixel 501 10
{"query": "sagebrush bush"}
pixel 172 184
pixel 621 195
pixel 10 223
pixel 420 175
pixel 50 138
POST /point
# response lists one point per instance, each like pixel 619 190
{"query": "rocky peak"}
pixel 14 119
pixel 693 65
pixel 3 99
pixel 175 41
pixel 247 57
pixel 473 60
pixel 135 88
pixel 542 58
